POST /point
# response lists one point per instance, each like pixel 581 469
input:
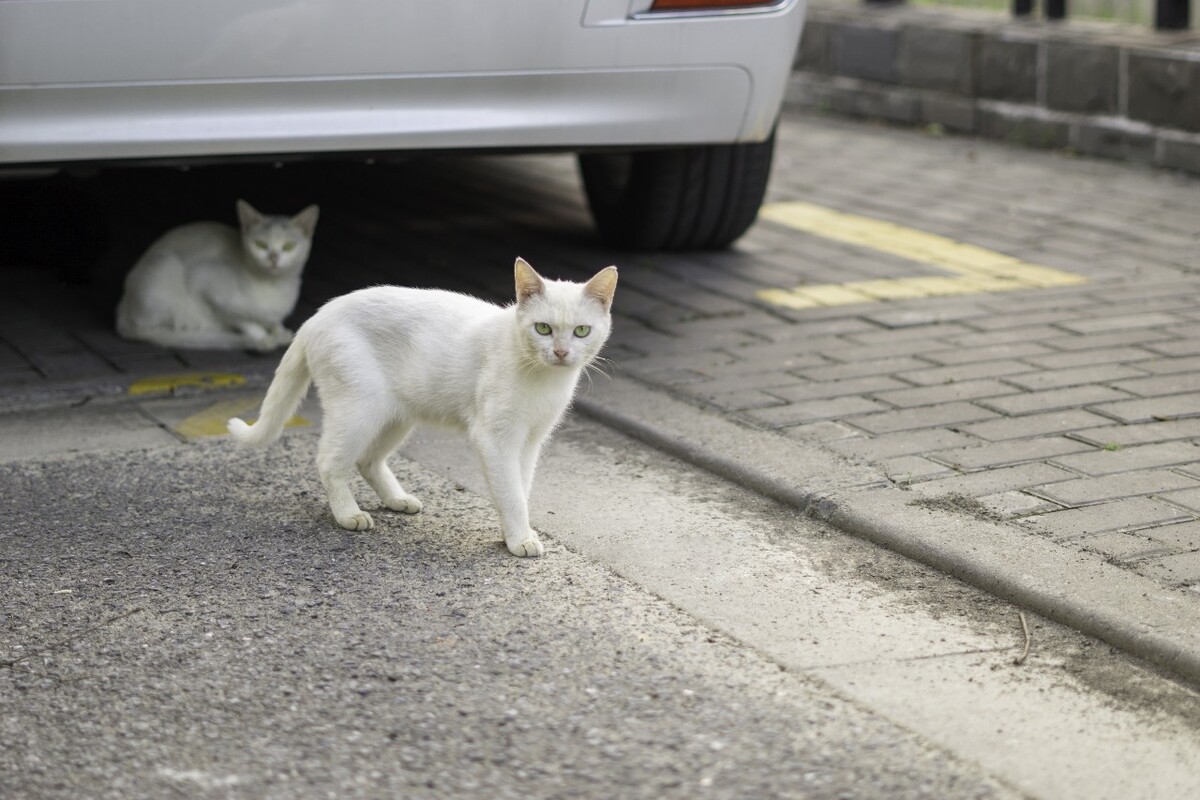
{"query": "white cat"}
pixel 386 358
pixel 207 285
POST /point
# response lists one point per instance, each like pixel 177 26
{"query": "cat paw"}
pixel 357 522
pixel 406 504
pixel 529 548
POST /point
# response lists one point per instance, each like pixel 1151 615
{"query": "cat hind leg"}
pixel 374 468
pixel 335 465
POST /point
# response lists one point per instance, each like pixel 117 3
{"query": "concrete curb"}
pixel 1077 589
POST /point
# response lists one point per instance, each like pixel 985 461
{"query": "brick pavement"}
pixel 1072 411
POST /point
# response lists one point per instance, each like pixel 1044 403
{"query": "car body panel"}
pixel 105 79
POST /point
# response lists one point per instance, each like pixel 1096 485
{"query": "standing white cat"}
pixel 386 358
pixel 208 285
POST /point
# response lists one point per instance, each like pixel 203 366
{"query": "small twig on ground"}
pixel 10 663
pixel 1019 660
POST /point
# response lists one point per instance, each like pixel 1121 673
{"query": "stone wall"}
pixel 1100 89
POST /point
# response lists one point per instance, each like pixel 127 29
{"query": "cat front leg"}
pixel 501 462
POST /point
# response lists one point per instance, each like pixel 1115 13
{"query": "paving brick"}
pixel 883 366
pixel 1037 333
pixel 1162 385
pixel 994 481
pixel 1188 498
pixel 817 390
pixel 813 410
pixel 912 333
pixel 1120 515
pixel 1083 358
pixel 1131 459
pixel 963 372
pixel 1052 400
pixel 1182 536
pixel 1176 347
pixel 1105 324
pixel 1096 341
pixel 746 400
pixel 1014 504
pixel 964 355
pixel 824 432
pixel 1141 433
pixel 1055 422
pixel 906 469
pixel 880 448
pixel 74 364
pixel 1003 454
pixel 1176 406
pixel 1087 491
pixel 924 417
pixel 1174 570
pixel 1125 546
pixel 1080 376
pixel 943 393
pixel 848 352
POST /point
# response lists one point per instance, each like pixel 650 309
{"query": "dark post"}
pixel 1171 15
pixel 1022 8
pixel 1056 9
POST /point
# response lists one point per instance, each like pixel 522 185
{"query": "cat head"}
pixel 562 323
pixel 277 245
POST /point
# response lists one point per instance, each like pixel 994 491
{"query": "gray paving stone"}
pixel 994 481
pixel 860 369
pixel 745 400
pixel 1087 491
pixel 1151 337
pixel 72 364
pixel 1188 498
pixel 937 416
pixel 1014 504
pixel 817 390
pixel 1052 399
pixel 813 410
pixel 964 372
pixel 824 432
pixel 1037 333
pixel 914 333
pixel 1141 433
pixel 880 448
pixel 1120 515
pixel 944 393
pixel 1080 376
pixel 1125 547
pixel 1055 422
pixel 1006 350
pixel 848 352
pixel 1083 358
pixel 906 469
pixel 1105 324
pixel 1182 536
pixel 1177 406
pixel 1167 366
pixel 1175 383
pixel 1131 459
pixel 1175 570
pixel 1176 347
pixel 1004 454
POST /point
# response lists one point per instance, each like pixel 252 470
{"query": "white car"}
pixel 671 104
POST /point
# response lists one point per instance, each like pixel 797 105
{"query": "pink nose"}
pixel 560 353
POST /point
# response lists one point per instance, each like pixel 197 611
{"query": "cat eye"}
pixel 289 247
pixel 583 330
pixel 260 244
pixel 542 328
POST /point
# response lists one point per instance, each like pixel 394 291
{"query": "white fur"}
pixel 387 358
pixel 207 285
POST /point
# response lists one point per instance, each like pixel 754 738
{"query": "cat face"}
pixel 563 324
pixel 277 245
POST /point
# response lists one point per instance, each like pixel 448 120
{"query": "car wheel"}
pixel 687 198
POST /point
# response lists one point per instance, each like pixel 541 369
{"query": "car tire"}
pixel 688 198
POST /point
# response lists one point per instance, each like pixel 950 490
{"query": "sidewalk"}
pixel 1043 383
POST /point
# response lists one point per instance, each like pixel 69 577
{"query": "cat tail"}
pixel 288 388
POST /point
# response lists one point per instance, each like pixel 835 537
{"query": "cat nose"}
pixel 560 353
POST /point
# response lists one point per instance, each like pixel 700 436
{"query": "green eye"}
pixel 542 328
pixel 260 244
pixel 289 247
pixel 583 330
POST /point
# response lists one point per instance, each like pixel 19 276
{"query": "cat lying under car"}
pixel 207 285
pixel 386 358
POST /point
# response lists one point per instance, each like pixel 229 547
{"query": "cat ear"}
pixel 529 283
pixel 247 216
pixel 306 220
pixel 602 286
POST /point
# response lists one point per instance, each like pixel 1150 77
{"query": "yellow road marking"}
pixel 212 420
pixel 160 384
pixel 975 269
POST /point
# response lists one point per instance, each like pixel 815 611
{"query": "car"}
pixel 671 105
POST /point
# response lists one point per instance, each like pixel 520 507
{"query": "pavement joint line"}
pixel 975 270
pixel 1080 590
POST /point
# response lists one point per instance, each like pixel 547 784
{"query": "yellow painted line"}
pixel 162 384
pixel 212 420
pixel 974 270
